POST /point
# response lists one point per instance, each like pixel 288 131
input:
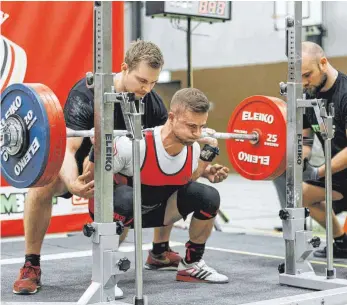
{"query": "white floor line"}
pixel 129 247
pixel 126 247
pixel 48 257
pixel 60 303
pixel 269 256
pixel 21 238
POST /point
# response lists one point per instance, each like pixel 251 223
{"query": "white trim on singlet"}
pixel 168 164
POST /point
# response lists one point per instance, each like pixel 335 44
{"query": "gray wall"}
pixel 335 19
pixel 248 39
pixel 127 24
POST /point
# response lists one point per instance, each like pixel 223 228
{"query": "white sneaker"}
pixel 199 272
pixel 118 293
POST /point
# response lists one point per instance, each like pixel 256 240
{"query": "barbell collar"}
pixel 13 136
pixel 5 139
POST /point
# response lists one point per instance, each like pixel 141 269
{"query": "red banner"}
pixel 52 43
pixel 49 43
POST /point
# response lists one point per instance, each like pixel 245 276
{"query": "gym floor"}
pixel 247 251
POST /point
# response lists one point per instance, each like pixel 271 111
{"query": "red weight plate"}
pixel 281 169
pixel 57 133
pixel 266 159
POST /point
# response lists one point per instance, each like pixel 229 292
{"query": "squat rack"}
pixel 107 265
pixel 299 243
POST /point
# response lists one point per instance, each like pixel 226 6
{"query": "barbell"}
pixel 33 136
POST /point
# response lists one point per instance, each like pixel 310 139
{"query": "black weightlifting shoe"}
pixel 337 252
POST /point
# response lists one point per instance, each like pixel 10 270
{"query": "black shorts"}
pixel 191 197
pixel 339 185
pixel 152 219
pixel 153 207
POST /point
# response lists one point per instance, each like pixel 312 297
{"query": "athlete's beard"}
pixel 312 91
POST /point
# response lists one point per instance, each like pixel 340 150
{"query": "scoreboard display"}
pixel 208 11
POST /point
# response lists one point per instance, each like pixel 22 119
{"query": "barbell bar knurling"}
pixel 217 135
pixel 90 133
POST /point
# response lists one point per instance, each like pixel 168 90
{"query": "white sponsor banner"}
pixel 12 204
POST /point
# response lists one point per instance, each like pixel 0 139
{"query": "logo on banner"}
pixel 13 203
pixel 13 60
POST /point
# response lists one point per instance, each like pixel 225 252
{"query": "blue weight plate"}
pixel 24 171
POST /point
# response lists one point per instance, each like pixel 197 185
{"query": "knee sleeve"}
pixel 201 199
pixel 123 204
